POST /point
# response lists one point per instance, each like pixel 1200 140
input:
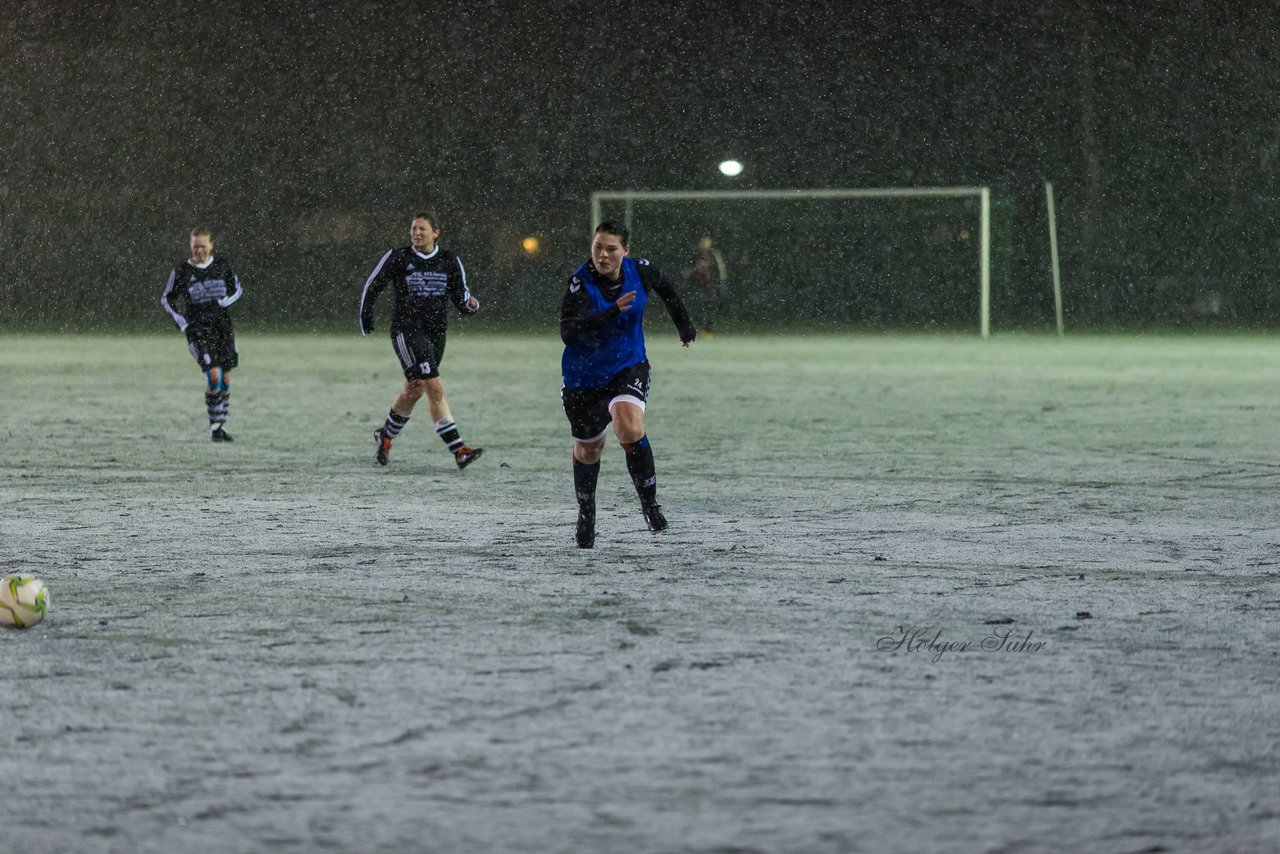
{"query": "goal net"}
pixel 901 257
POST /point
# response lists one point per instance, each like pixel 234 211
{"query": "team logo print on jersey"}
pixel 575 285
pixel 426 283
pixel 208 290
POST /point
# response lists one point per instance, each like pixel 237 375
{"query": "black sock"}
pixel 212 405
pixel 640 464
pixel 584 480
pixel 447 430
pixel 394 424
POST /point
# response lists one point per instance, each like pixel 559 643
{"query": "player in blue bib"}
pixel 606 370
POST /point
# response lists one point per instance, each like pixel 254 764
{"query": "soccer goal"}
pixel 901 256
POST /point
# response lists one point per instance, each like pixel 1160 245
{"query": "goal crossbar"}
pixel 983 195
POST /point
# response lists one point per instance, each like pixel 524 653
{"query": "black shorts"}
pixel 213 346
pixel 419 352
pixel 588 408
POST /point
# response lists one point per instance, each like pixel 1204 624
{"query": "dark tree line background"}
pixel 305 136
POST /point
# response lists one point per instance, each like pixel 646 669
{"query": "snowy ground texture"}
pixel 276 645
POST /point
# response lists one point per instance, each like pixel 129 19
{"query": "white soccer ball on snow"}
pixel 23 601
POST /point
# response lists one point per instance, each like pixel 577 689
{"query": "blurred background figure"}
pixel 197 295
pixel 708 285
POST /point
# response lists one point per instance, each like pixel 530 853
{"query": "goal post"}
pixel 982 194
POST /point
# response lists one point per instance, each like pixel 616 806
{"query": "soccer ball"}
pixel 23 601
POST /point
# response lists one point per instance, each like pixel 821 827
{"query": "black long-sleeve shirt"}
pixel 424 284
pixel 577 322
pixel 199 296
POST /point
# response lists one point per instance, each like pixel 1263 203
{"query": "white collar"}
pixel 425 257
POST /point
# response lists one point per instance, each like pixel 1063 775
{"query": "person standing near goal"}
pixel 197 296
pixel 606 370
pixel 708 283
pixel 426 278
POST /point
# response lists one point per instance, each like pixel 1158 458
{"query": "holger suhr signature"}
pixel 929 641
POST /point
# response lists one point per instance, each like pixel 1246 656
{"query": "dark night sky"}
pixel 127 122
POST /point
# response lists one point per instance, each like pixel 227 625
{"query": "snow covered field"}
pixel 919 594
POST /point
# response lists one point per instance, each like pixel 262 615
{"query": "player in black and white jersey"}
pixel 197 296
pixel 425 278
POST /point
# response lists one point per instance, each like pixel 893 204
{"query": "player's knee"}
pixel 588 452
pixel 628 435
pixel 628 429
pixel 415 389
pixel 434 389
pixel 628 424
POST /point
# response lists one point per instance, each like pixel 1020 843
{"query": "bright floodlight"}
pixel 731 168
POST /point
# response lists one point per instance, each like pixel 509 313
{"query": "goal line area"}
pixel 902 257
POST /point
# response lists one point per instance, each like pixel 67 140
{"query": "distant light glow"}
pixel 531 245
pixel 731 168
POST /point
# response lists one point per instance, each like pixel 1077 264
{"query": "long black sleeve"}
pixel 655 280
pixel 169 300
pixel 369 295
pixel 457 287
pixel 234 290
